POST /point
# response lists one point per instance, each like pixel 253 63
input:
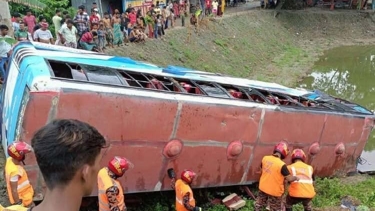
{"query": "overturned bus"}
pixel 173 117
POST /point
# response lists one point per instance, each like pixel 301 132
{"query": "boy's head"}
pixel 69 23
pixel 4 30
pixel 17 16
pixel 94 26
pixel 68 151
pixel 94 34
pixel 22 25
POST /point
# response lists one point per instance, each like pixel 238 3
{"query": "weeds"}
pixel 330 192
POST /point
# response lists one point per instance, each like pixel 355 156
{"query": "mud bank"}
pixel 256 45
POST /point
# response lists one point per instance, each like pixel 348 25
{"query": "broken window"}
pixel 210 89
pixel 101 74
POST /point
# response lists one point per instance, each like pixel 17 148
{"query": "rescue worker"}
pixel 111 194
pixel 184 195
pixel 303 189
pixel 68 153
pixel 271 184
pixel 20 191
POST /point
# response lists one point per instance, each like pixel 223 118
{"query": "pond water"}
pixel 348 73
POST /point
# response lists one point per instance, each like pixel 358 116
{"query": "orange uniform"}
pixel 105 182
pixel 24 189
pixel 272 181
pixel 181 189
pixel 303 188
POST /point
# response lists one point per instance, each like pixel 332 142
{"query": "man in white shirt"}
pixel 43 34
pixel 5 48
pixel 68 34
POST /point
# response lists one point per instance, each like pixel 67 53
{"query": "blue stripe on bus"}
pixel 27 73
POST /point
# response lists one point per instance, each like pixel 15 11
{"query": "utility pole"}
pixel 5 17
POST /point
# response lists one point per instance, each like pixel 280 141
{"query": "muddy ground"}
pixel 254 44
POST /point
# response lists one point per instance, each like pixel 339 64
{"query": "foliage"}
pixel 330 192
pixel 48 12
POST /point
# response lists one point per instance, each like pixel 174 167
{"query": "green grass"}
pixel 360 189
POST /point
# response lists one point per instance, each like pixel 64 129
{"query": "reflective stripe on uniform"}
pixel 306 181
pixel 179 201
pixel 23 184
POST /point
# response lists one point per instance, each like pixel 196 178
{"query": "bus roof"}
pixel 64 54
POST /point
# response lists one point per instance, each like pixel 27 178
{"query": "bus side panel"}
pixel 39 111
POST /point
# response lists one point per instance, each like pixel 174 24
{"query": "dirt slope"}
pixel 255 44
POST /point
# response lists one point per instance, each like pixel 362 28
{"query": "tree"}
pixel 5 15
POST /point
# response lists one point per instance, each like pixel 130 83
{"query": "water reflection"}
pixel 349 73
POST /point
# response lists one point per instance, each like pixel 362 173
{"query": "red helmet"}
pixel 118 165
pixel 188 176
pixel 17 150
pixel 298 154
pixel 281 148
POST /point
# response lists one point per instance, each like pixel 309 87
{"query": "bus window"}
pixel 101 75
pixel 61 70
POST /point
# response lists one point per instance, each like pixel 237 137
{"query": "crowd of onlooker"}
pixel 97 32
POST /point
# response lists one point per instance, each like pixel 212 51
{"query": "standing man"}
pixel 95 6
pixel 5 48
pixel 184 195
pixel 43 34
pixel 301 191
pixel 20 191
pixel 16 22
pixel 82 20
pixel 30 21
pixel 94 19
pixel 71 170
pixel 111 194
pixel 21 34
pixel 57 23
pixel 271 184
pixel 68 34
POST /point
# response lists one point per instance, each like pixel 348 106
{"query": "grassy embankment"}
pixel 258 46
pixel 358 189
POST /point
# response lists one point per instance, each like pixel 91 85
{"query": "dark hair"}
pixel 68 17
pixel 21 22
pixel 4 27
pixel 94 33
pixel 41 18
pixel 16 15
pixel 82 7
pixel 106 13
pixel 57 11
pixel 69 21
pixel 65 12
pixel 62 147
pixel 28 10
